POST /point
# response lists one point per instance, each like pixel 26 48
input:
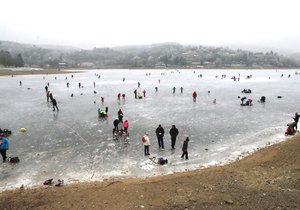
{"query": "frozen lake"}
pixel 74 145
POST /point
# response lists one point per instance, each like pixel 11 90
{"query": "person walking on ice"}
pixel 54 103
pixel 173 132
pixel 194 96
pixel 184 148
pixel 160 136
pixel 3 147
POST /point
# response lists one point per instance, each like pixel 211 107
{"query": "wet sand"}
pixel 267 179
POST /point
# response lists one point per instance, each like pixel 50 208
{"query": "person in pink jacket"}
pixel 125 125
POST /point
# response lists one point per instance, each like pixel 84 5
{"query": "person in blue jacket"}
pixel 3 147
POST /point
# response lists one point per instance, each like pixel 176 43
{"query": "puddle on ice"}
pixel 73 144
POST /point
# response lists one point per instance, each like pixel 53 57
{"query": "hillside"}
pixel 164 55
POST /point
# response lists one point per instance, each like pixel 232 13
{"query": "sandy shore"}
pixel 268 179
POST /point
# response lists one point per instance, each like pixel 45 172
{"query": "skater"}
pixel 194 96
pixel 123 79
pixel 174 133
pixel 120 115
pixel 181 90
pixel 48 95
pixel 79 85
pixel 184 149
pixel 296 119
pixel 174 88
pixel 160 136
pixel 125 125
pixel 68 84
pixel 119 96
pixel 54 103
pixel 144 92
pixel 146 142
pixel 20 83
pixel 156 89
pixel 3 147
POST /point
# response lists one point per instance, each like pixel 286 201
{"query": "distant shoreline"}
pixel 12 72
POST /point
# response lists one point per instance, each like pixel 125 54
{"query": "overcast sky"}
pixel 106 23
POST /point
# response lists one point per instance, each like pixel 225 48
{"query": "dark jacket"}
pixel 54 102
pixel 160 131
pixel 296 118
pixel 116 122
pixel 185 146
pixel 174 131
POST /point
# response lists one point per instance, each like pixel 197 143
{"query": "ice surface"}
pixel 74 145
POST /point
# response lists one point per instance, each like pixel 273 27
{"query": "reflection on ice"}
pixel 73 144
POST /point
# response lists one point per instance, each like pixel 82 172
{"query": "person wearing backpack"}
pixel 3 147
pixel 146 142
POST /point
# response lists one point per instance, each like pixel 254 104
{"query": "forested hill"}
pixel 165 55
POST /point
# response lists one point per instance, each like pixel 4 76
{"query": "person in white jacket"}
pixel 146 142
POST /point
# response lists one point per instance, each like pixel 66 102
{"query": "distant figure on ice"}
pixel 79 85
pixel 135 93
pixel 94 84
pixel 123 96
pixel 174 133
pixel 68 84
pixel 144 92
pixel 181 89
pixel 106 110
pixel 48 95
pixel 296 119
pixel 3 147
pixel 215 101
pixel 262 99
pixel 194 96
pixel 54 103
pixel 146 142
pixel 119 96
pixel 160 136
pixel 46 88
pixel 184 148
pixel 125 125
pixel 242 100
pixel 174 88
pixel 139 84
pixel 120 115
pixel 102 99
pixel 123 79
pixel 156 89
pixel 20 83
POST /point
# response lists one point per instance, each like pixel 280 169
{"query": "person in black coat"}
pixel 174 133
pixel 54 103
pixel 160 136
pixel 184 148
pixel 296 119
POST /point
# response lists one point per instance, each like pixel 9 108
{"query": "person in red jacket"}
pixel 194 96
pixel 125 125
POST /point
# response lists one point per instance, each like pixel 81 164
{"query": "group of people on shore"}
pixel 292 127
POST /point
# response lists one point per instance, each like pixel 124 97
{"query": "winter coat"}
pixel 147 140
pixel 125 124
pixel 174 131
pixel 3 144
pixel 160 131
pixel 185 146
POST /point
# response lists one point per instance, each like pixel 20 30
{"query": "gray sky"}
pixel 106 23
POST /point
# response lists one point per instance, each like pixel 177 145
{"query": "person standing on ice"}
pixel 184 148
pixel 144 92
pixel 160 136
pixel 174 133
pixel 156 89
pixel 296 119
pixel 79 85
pixel 135 93
pixel 54 103
pixel 120 115
pixel 174 88
pixel 139 84
pixel 3 147
pixel 20 83
pixel 181 90
pixel 146 142
pixel 194 96
pixel 116 124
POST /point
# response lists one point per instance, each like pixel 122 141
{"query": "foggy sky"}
pixel 107 23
